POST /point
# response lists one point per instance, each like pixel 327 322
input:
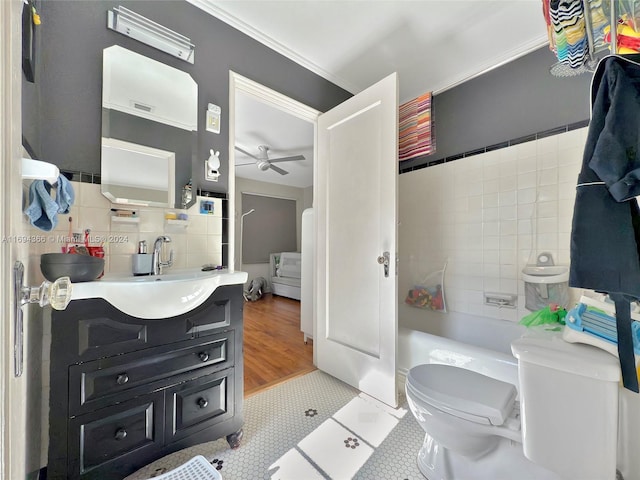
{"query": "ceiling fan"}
pixel 264 163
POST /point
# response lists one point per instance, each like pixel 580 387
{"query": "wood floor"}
pixel 274 350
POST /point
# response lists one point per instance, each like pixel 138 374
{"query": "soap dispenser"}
pixel 142 261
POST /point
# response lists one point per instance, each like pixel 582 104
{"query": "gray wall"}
pixel 66 123
pixel 518 99
pixel 271 228
pixel 62 112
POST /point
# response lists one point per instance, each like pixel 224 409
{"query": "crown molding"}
pixel 211 8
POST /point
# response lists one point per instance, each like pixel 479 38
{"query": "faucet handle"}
pixel 169 262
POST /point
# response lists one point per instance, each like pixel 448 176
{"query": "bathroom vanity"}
pixel 127 390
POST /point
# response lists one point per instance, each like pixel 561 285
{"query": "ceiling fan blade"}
pixel 279 170
pixel 244 164
pixel 287 159
pixel 247 153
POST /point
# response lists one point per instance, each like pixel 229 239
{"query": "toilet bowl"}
pixel 462 412
pixel 475 429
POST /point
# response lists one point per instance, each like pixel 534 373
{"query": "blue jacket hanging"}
pixel 606 220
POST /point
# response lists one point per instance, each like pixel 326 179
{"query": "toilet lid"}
pixel 463 393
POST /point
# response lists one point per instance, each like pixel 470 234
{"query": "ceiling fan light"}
pixel 263 165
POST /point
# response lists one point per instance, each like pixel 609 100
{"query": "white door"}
pixel 356 323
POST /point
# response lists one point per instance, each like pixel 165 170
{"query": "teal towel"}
pixel 42 210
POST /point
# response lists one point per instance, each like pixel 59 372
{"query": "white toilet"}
pixel 565 422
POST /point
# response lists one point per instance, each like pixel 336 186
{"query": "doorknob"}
pixel 56 294
pixel 384 260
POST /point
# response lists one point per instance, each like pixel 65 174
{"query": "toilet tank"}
pixel 569 405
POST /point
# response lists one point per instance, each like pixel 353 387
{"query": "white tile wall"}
pixel 198 243
pixel 488 216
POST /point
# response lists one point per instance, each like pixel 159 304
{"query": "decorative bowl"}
pixel 79 268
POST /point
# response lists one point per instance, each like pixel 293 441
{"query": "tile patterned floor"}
pixel 312 427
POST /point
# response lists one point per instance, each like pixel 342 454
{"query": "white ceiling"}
pixel 260 124
pixel 433 45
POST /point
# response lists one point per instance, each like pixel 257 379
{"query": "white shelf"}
pixel 38 170
pixel 177 222
pixel 115 218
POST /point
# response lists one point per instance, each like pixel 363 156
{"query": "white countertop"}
pixel 158 296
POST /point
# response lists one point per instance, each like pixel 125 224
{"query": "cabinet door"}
pixel 115 441
pixel 200 403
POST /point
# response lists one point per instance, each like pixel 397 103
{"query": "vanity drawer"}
pixel 199 403
pixel 91 382
pixel 130 432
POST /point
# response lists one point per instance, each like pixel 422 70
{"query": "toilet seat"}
pixel 463 393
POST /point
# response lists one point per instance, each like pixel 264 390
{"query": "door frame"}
pixel 239 83
pixel 12 390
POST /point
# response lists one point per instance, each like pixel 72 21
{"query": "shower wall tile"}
pixel 197 225
pixel 508 183
pixel 90 195
pixel 214 225
pixel 547 145
pixel 507 198
pixel 526 164
pixel 94 218
pixel 548 225
pixel 526 180
pixel 548 193
pixel 119 263
pixel 526 211
pixel 490 214
pixel 548 159
pixel 151 220
pixel 199 243
pixel 508 212
pixel 491 186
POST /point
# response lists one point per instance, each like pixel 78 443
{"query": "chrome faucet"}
pixel 156 258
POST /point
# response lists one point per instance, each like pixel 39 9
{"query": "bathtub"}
pixel 467 341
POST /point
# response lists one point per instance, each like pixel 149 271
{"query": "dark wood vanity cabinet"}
pixel 126 391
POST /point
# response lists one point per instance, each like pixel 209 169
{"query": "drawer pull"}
pixel 122 379
pixel 203 402
pixel 121 433
pixel 204 356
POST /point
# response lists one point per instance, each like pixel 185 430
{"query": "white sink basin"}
pixel 158 296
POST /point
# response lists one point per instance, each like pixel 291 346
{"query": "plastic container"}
pixel 142 263
pixel 79 268
pixel 198 468
pixel 544 285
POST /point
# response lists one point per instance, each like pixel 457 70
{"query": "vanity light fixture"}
pixel 133 25
pixel 212 166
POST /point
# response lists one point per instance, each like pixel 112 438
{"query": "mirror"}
pixel 149 130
